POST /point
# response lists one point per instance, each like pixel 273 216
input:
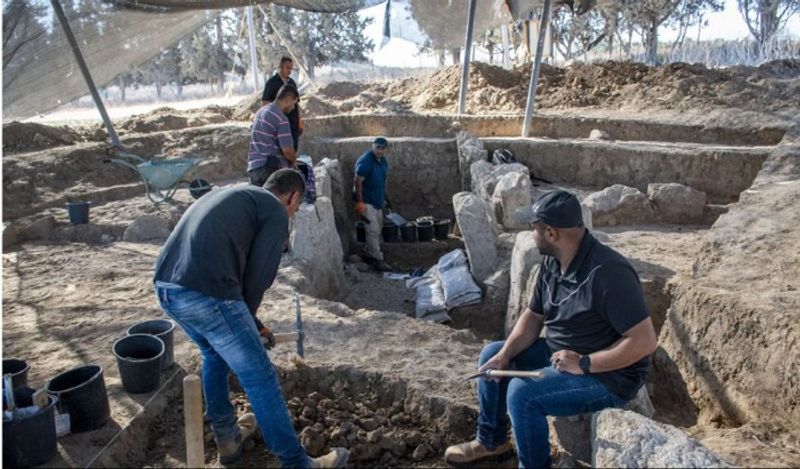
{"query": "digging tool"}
pixel 296 336
pixel 193 419
pixel 505 374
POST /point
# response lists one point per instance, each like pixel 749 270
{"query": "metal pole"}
pixel 506 54
pixel 87 76
pixel 253 56
pixel 462 99
pixel 537 65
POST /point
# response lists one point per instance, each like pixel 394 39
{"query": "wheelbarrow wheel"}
pixel 199 187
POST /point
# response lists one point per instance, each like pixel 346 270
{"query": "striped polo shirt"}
pixel 271 132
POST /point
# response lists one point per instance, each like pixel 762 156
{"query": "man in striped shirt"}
pixel 271 143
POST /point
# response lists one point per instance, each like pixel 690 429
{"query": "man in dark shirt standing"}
pixel 210 278
pixel 369 190
pixel 597 347
pixel 282 77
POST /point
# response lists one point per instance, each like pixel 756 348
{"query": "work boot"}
pixel 230 452
pixel 336 458
pixel 473 452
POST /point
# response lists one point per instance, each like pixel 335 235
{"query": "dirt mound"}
pixel 166 118
pixel 29 136
pixel 772 86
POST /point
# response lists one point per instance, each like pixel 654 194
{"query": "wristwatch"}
pixel 586 364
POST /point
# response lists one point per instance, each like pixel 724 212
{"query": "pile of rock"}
pixel 375 435
pixel 664 203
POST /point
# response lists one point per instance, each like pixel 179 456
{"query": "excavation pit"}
pixel 367 358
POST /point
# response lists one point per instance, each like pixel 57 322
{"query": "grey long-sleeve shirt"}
pixel 228 245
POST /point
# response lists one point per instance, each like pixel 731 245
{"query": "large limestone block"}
pixel 316 249
pixel 676 203
pixel 479 233
pixel 485 176
pixel 525 260
pixel 340 190
pixel 625 439
pixel 147 228
pixel 513 191
pixel 573 433
pixel 619 205
pixel 322 180
pixel 470 150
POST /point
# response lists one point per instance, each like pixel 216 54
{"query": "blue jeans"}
pixel 226 334
pixel 527 401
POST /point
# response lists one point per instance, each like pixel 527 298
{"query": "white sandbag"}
pixel 457 284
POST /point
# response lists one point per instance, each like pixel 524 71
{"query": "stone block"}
pixel 626 439
pixel 479 233
pixel 316 249
pixel 485 176
pixel 619 205
pixel 513 191
pixel 676 203
pixel 525 260
pixel 147 228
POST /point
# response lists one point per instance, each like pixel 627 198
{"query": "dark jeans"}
pixel 226 334
pixel 527 401
pixel 259 176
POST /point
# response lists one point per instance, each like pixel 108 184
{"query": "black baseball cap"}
pixel 381 141
pixel 557 208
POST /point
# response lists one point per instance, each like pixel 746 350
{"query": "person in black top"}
pixel 211 275
pixel 597 347
pixel 271 88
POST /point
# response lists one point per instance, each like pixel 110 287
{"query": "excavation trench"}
pixel 377 380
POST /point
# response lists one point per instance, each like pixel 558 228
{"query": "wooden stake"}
pixel 193 418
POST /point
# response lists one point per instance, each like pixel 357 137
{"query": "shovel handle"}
pixel 287 337
pixel 513 374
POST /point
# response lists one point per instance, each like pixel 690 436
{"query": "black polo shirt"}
pixel 271 88
pixel 591 306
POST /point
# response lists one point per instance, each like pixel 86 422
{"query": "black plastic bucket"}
pixel 81 393
pixel 409 233
pixel 139 361
pixel 164 329
pixel 18 370
pixel 361 232
pixel 391 233
pixel 425 230
pixel 78 212
pixel 441 229
pixel 31 440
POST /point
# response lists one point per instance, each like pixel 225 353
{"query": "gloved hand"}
pixel 268 338
pixel 361 208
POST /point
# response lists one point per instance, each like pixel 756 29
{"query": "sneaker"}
pixel 472 452
pixel 336 458
pixel 230 452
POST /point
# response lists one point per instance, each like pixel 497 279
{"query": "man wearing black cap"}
pixel 369 187
pixel 596 350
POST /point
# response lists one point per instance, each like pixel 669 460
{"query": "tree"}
pixel 316 39
pixel 22 27
pixel 766 18
pixel 646 16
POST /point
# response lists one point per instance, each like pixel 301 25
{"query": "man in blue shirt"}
pixel 371 172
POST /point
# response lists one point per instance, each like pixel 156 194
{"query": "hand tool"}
pixel 490 373
pixel 193 420
pixel 298 336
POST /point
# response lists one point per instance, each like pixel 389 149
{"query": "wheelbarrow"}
pixel 162 178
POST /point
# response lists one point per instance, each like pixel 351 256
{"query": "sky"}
pixel 727 24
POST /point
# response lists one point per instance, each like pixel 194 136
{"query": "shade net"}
pixel 39 69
